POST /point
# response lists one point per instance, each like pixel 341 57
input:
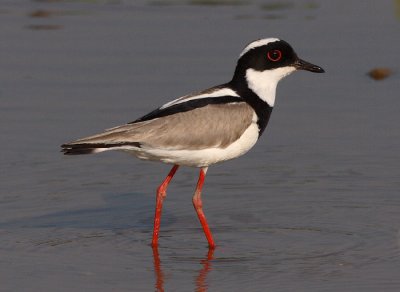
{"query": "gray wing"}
pixel 213 125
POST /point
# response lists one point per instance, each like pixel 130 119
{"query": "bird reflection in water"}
pixel 200 281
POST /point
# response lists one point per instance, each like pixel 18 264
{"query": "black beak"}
pixel 299 64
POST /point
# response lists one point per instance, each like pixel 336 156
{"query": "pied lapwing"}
pixel 207 127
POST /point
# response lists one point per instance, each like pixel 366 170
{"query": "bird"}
pixel 206 127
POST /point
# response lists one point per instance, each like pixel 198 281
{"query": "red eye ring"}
pixel 274 55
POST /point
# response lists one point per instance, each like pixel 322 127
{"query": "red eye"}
pixel 274 55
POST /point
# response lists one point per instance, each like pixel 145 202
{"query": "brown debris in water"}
pixel 41 13
pixel 380 73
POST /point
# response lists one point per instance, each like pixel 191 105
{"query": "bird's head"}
pixel 264 62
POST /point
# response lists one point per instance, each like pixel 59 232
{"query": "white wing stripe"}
pixel 216 93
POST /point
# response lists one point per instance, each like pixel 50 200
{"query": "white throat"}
pixel 263 83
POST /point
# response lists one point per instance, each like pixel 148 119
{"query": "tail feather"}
pixel 90 148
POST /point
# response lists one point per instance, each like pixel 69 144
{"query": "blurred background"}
pixel 314 206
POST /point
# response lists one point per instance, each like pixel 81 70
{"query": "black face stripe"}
pixel 187 106
pixel 257 58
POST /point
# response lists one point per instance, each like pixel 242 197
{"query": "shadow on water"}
pixel 120 211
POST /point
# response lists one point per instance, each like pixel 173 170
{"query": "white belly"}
pixel 202 157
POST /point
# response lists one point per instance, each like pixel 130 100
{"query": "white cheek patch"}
pixel 263 83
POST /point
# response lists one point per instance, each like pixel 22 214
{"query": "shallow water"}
pixel 315 206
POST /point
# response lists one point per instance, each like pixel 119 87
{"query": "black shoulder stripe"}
pixel 187 106
pixel 262 108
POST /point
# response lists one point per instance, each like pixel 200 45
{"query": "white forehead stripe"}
pixel 258 43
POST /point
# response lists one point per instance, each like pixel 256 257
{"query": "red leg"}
pixel 161 194
pixel 198 206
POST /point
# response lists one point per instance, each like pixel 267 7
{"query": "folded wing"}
pixel 190 126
